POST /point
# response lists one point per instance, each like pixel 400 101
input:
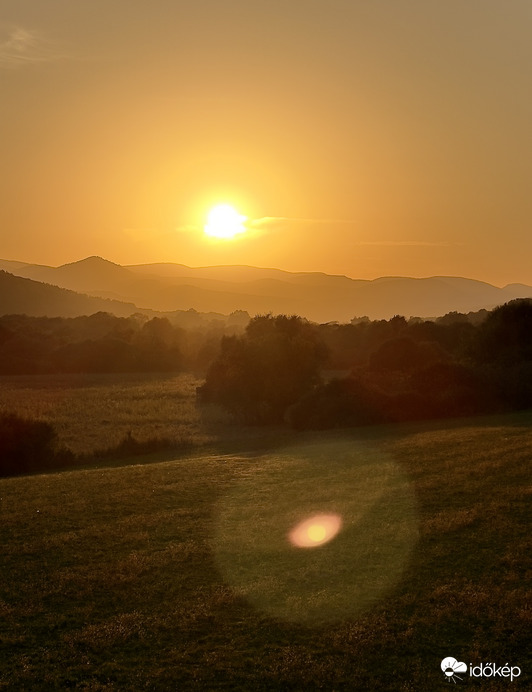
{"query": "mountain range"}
pixel 94 284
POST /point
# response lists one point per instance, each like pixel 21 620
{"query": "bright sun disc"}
pixel 223 221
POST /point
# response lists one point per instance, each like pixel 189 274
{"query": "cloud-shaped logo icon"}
pixel 451 667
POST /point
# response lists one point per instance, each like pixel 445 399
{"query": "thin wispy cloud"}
pixel 266 224
pixel 20 46
pixel 272 222
pixel 407 243
pixel 275 221
pixel 279 222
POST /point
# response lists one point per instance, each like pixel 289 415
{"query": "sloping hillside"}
pixel 24 296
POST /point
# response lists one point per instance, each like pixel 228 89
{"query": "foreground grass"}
pixel 177 575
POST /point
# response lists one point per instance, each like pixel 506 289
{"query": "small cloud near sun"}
pixel 20 46
pixel 408 243
pixel 272 222
pixel 224 222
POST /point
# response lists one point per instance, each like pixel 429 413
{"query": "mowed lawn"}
pixel 180 575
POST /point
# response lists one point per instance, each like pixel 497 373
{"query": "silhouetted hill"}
pixel 320 297
pixel 85 276
pixel 517 291
pixel 324 297
pixel 19 295
pixel 232 273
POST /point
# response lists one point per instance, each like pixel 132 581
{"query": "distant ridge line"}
pixel 167 287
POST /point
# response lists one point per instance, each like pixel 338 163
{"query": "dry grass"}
pixel 91 412
pixel 178 575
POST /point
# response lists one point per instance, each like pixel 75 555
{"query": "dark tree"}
pixel 403 354
pixel 505 336
pixel 340 403
pixel 158 346
pixel 257 376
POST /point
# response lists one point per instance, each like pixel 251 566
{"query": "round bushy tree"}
pixel 258 375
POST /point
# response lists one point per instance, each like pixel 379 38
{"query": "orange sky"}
pixel 361 138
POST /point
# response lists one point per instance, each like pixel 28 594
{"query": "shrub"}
pixel 25 445
pixel 130 446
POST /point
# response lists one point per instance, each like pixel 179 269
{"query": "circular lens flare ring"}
pixel 315 531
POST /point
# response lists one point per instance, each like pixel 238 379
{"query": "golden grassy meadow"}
pixel 177 573
pixel 92 412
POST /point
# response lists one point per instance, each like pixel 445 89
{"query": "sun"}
pixel 223 221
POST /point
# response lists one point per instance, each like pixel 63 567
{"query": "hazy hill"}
pixel 19 295
pixel 321 297
pixel 90 275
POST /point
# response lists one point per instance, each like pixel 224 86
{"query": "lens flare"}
pixel 315 531
pixel 318 532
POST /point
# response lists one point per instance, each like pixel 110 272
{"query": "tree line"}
pixel 383 371
pixel 105 343
pixel 281 370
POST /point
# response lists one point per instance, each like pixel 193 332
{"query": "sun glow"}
pixel 223 221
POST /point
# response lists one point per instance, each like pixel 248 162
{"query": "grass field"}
pixel 178 574
pixel 92 412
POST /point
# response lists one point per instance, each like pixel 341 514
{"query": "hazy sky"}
pixel 360 137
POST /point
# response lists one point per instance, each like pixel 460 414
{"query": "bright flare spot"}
pixel 223 221
pixel 315 531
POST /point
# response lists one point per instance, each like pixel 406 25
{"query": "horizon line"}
pixel 276 269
